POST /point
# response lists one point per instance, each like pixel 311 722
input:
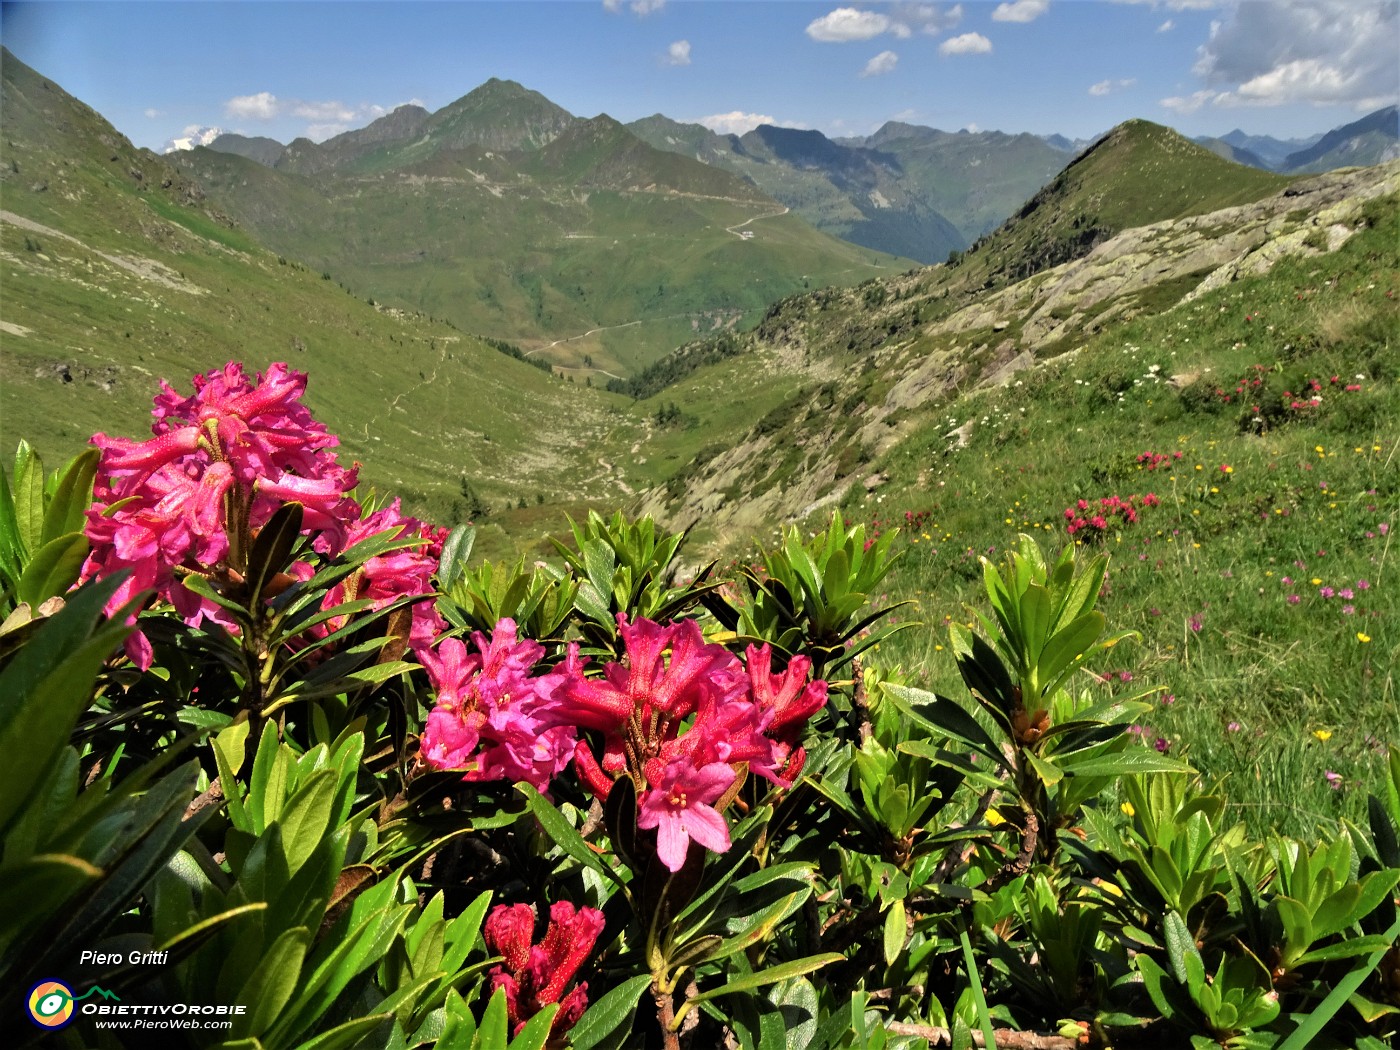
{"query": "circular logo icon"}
pixel 51 1004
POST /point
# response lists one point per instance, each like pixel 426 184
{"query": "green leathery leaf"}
pixel 271 552
pixel 1035 622
pixel 1047 771
pixel 53 569
pixel 1122 763
pixel 895 929
pixel 564 834
pixel 273 982
pixel 771 975
pixel 72 495
pixel 350 1034
pixel 306 818
pixel 1067 644
pixel 607 1023
pixel 456 549
pixel 536 1031
pixel 1180 945
pixel 29 498
pixel 493 1034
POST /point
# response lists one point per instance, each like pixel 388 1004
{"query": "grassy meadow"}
pixel 1261 574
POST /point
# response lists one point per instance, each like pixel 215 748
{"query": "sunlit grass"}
pixel 1262 583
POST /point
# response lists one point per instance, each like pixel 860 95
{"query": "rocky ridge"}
pixel 785 468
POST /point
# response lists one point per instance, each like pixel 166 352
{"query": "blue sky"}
pixel 160 71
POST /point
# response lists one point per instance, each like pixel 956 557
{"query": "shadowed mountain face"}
pixel 1373 139
pixel 906 189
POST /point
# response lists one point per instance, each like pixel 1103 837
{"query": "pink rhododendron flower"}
pixel 792 699
pixel 386 578
pixel 680 805
pixel 192 498
pixel 489 720
pixel 535 975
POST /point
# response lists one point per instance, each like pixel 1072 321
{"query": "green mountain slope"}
pixel 976 179
pixel 866 369
pixel 117 272
pixel 1137 174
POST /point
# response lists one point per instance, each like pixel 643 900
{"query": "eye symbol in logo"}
pixel 51 1004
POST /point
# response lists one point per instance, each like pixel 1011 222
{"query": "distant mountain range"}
pixel 906 190
pixel 508 216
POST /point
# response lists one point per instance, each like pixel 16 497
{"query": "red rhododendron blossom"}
pixel 792 700
pixel 685 720
pixel 489 721
pixel 192 498
pixel 535 975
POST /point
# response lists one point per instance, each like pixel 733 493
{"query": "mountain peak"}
pixel 499 115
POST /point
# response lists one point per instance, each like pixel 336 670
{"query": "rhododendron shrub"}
pixel 677 820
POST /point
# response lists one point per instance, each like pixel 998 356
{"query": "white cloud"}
pixel 926 18
pixel 324 112
pixel 678 54
pixel 1177 5
pixel 846 23
pixel 972 128
pixel 640 8
pixel 1020 11
pixel 967 44
pixel 901 20
pixel 193 135
pixel 152 113
pixel 326 119
pixel 1167 26
pixel 321 132
pixel 1183 104
pixel 1107 87
pixel 735 123
pixel 1324 52
pixel 881 64
pixel 262 106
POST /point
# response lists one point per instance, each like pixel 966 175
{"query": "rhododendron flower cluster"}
pixel 1150 460
pixel 535 975
pixel 1092 521
pixel 223 460
pixel 686 727
pixel 489 720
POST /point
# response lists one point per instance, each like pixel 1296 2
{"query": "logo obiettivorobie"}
pixel 51 1002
